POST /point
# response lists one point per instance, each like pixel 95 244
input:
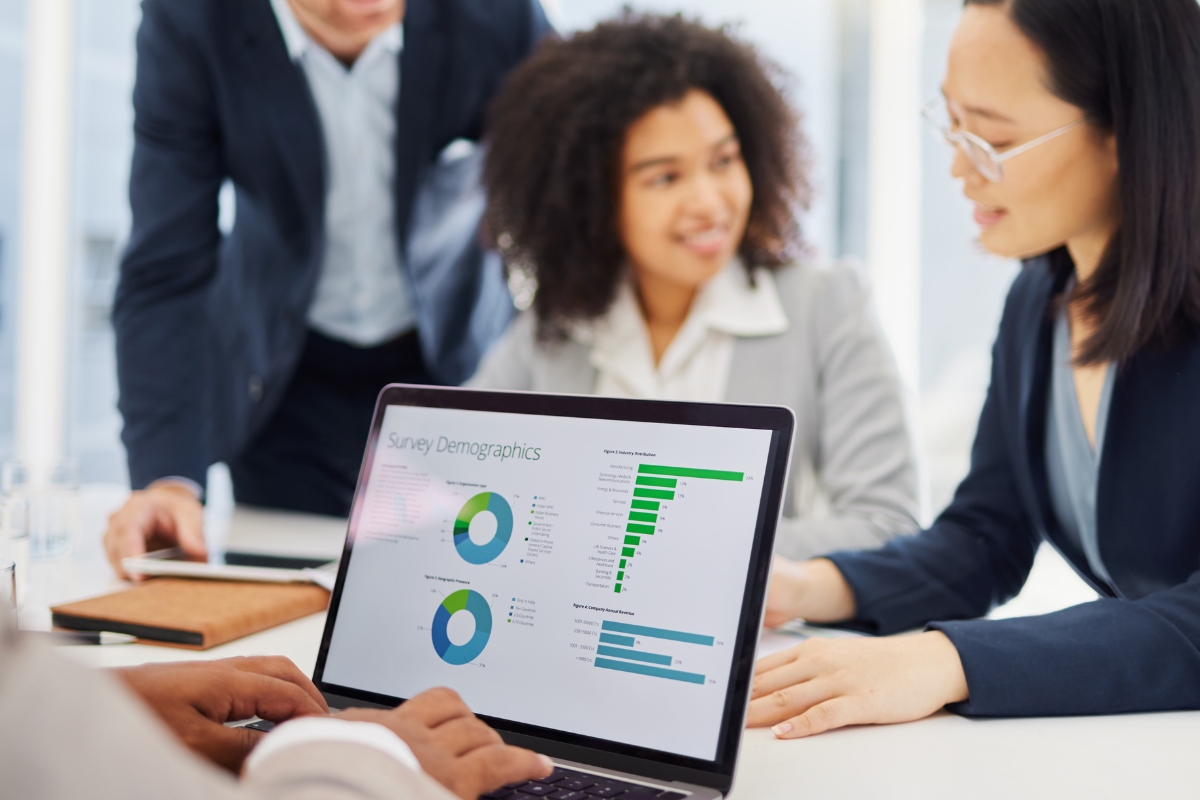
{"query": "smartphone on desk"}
pixel 233 565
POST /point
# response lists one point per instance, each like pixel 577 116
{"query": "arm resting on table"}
pixel 1108 656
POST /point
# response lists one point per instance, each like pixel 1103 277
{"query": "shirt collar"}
pixel 297 39
pixel 730 303
pixel 740 303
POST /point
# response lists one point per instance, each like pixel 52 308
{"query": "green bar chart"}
pixel 664 483
pixel 654 485
pixel 689 472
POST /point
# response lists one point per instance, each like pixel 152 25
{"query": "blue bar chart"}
pixel 624 658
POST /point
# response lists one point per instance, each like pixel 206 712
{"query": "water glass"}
pixel 51 492
pixel 14 540
pixel 8 596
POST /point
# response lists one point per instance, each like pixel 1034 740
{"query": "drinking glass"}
pixel 14 540
pixel 8 596
pixel 51 492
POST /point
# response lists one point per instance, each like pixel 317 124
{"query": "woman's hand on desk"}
pixel 453 746
pixel 196 698
pixel 823 684
pixel 164 514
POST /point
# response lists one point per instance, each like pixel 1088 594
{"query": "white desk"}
pixel 1142 755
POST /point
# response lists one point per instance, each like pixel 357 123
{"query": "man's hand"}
pixel 811 590
pixel 454 747
pixel 823 684
pixel 196 698
pixel 161 515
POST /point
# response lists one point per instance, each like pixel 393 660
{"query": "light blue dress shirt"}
pixel 1072 464
pixel 362 294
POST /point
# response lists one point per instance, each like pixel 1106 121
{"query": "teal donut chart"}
pixel 483 553
pixel 474 604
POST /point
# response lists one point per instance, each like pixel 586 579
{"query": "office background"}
pixel 884 198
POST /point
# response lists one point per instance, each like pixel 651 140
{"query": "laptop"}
pixel 587 573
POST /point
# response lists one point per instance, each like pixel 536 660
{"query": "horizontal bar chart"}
pixel 646 669
pixel 688 472
pixel 634 655
pixel 656 494
pixel 646 505
pixel 612 638
pixel 656 633
pixel 633 540
pixel 665 483
pixel 627 552
pixel 642 516
pixel 633 527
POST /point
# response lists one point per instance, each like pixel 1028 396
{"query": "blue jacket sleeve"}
pixel 1108 656
pixel 159 314
pixel 975 556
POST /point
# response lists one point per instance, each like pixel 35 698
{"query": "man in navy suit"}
pixel 347 131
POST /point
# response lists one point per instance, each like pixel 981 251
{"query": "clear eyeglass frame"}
pixel 981 154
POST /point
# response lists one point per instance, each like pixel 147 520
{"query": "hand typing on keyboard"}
pixel 196 698
pixel 453 746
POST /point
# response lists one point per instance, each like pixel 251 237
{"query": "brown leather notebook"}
pixel 197 614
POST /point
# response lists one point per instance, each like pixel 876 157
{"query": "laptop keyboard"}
pixel 562 784
pixel 567 784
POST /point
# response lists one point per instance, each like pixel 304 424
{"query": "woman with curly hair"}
pixel 647 173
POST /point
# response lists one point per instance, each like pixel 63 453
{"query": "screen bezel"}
pixel 717 773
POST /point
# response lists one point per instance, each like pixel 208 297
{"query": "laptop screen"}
pixel 578 574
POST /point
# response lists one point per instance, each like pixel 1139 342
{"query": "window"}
pixel 104 68
pixel 12 73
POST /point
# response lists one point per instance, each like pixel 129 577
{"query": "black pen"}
pixel 80 637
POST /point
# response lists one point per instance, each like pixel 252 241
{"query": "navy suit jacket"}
pixel 210 328
pixel 1135 649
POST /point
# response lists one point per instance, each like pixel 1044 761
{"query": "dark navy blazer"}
pixel 209 328
pixel 1135 649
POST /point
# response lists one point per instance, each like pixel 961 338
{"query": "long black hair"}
pixel 557 130
pixel 1133 67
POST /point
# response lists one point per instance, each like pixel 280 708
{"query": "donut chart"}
pixel 474 604
pixel 483 553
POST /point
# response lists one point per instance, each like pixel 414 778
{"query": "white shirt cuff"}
pixel 187 483
pixel 312 730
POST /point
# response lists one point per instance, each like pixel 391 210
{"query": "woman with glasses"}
pixel 1076 126
pixel 647 173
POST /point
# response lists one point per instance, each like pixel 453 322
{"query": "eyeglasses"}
pixel 983 156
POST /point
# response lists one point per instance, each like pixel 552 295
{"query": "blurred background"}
pixel 859 71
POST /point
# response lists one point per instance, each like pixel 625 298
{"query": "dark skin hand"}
pixel 196 698
pixel 454 747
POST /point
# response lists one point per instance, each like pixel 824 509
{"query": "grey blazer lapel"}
pixel 567 369
pixel 755 376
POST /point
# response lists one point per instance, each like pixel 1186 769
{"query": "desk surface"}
pixel 1137 755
